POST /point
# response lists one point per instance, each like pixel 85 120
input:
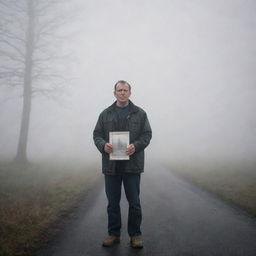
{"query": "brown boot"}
pixel 110 241
pixel 136 242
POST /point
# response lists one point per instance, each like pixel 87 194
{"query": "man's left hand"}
pixel 130 149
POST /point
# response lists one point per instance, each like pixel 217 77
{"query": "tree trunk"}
pixel 21 155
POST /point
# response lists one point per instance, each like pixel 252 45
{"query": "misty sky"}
pixel 191 65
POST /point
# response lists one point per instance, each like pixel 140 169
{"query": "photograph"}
pixel 120 142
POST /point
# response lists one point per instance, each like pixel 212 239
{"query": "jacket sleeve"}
pixel 98 135
pixel 145 137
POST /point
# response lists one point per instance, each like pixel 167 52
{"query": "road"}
pixel 178 219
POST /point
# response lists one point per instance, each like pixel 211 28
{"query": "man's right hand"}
pixel 108 148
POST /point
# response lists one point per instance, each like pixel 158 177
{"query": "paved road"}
pixel 178 219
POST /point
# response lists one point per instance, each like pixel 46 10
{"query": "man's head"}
pixel 122 82
pixel 122 93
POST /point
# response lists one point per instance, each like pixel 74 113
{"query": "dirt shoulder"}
pixel 34 197
pixel 232 182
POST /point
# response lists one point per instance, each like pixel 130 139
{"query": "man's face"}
pixel 122 93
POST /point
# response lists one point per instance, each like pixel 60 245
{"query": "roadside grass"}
pixel 233 182
pixel 34 197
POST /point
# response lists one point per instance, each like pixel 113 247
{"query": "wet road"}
pixel 178 219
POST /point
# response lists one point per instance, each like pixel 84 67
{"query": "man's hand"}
pixel 108 148
pixel 130 149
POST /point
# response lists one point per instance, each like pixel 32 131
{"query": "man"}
pixel 123 115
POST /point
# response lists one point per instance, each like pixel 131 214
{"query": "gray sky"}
pixel 191 65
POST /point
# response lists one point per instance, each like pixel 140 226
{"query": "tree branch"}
pixel 10 45
pixel 12 57
pixel 13 37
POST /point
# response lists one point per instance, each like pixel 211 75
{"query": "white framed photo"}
pixel 120 142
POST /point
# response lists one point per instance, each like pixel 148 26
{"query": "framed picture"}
pixel 120 142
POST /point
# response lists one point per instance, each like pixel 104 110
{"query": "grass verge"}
pixel 233 182
pixel 34 197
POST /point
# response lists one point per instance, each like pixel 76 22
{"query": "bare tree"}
pixel 29 52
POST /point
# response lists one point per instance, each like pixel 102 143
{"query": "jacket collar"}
pixel 132 107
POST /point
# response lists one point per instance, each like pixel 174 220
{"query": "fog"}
pixel 191 65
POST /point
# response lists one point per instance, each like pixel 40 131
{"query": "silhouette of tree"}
pixel 30 38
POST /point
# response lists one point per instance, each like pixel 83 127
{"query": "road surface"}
pixel 178 219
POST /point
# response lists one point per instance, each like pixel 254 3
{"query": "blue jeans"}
pixel 113 184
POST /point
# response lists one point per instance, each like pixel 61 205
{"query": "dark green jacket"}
pixel 140 136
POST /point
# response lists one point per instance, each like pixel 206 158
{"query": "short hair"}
pixel 122 82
